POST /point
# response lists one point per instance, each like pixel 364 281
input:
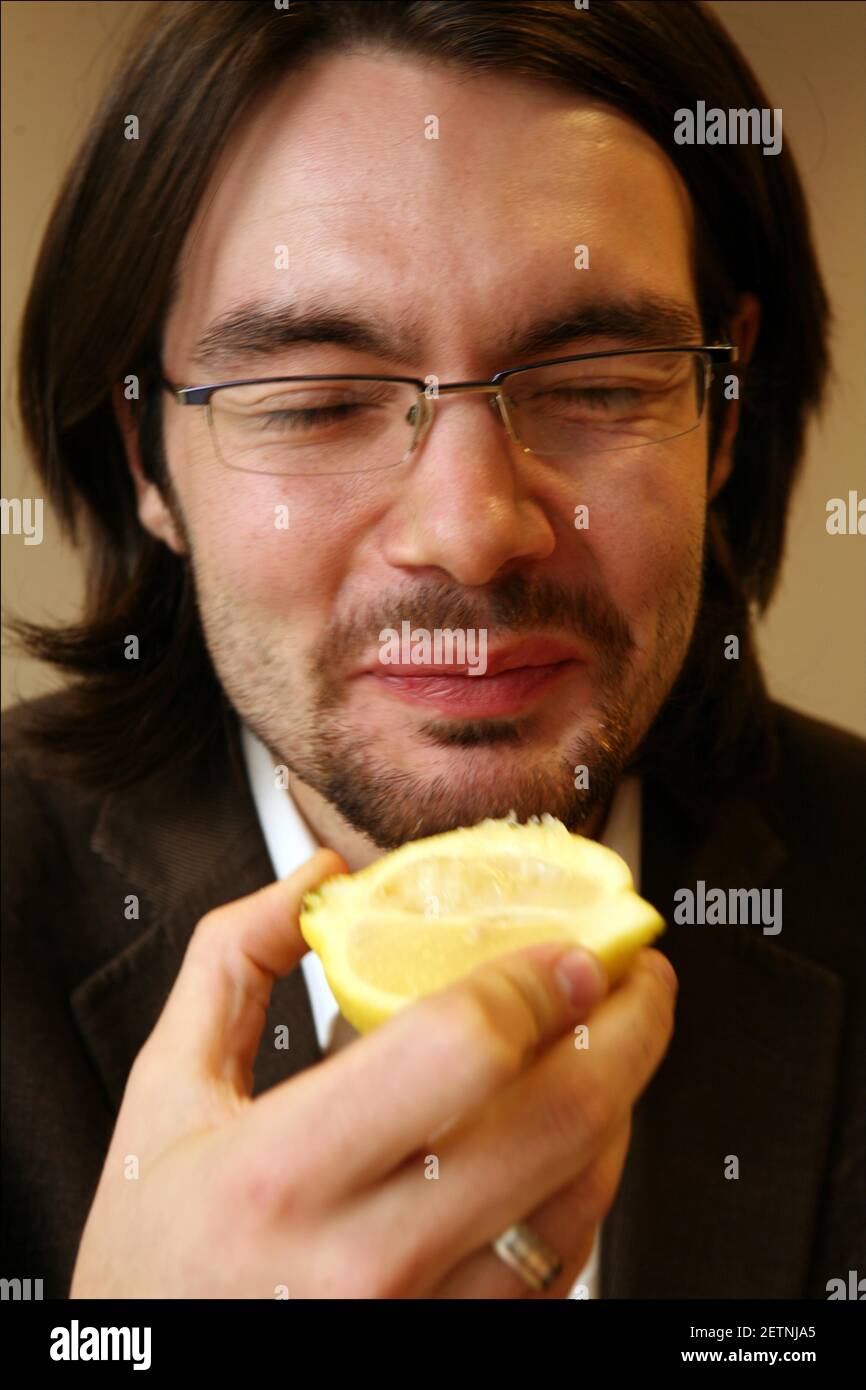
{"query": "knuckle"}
pixel 212 944
pixel 253 1193
pixel 660 1014
pixel 597 1190
pixel 146 1076
pixel 344 1270
pixel 387 1279
pixel 422 1249
pixel 509 1007
pixel 471 1021
pixel 207 930
pixel 578 1111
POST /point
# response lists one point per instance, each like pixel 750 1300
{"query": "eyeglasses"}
pixel 571 407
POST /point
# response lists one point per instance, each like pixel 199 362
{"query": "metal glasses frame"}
pixel 201 395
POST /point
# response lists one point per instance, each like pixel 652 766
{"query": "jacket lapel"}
pixel 182 851
pixel 749 1076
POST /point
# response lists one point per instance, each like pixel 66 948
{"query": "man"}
pixel 391 200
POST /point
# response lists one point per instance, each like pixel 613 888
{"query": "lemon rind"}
pixel 623 911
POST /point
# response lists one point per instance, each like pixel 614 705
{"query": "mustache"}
pixel 517 605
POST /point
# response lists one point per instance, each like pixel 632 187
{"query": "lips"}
pixel 534 651
pixel 515 678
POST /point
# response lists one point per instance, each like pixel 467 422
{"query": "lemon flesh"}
pixel 425 915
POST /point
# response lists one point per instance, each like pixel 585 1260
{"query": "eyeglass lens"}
pixel 575 410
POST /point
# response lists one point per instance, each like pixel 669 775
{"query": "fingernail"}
pixel 581 977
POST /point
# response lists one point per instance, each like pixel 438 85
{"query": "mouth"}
pixel 510 682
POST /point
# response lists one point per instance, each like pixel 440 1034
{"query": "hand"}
pixel 317 1187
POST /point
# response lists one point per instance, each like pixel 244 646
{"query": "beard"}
pixel 391 805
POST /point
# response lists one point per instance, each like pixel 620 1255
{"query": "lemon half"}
pixel 429 912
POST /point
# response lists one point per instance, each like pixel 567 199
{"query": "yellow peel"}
pixel 425 915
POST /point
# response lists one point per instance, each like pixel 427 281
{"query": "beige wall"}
pixel 809 57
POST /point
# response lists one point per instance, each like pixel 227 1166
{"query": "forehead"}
pixel 333 187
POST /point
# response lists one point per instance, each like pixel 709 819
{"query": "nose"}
pixel 466 506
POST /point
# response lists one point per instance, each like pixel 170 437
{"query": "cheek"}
pixel 269 544
pixel 648 523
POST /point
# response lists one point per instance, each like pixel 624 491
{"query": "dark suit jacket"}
pixel 766 1063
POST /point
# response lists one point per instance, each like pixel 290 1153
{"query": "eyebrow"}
pixel 256 330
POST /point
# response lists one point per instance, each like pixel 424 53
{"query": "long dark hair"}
pixel 105 278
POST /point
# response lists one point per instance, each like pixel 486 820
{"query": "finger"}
pixel 370 1106
pixel 212 1022
pixel 531 1138
pixel 567 1222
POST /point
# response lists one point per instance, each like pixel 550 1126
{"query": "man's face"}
pixel 472 237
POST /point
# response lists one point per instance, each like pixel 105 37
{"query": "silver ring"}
pixel 529 1256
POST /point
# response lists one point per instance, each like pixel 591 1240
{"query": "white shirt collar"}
pixel 290 843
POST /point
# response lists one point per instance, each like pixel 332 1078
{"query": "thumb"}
pixel 211 1026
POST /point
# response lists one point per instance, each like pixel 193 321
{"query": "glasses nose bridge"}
pixel 492 391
